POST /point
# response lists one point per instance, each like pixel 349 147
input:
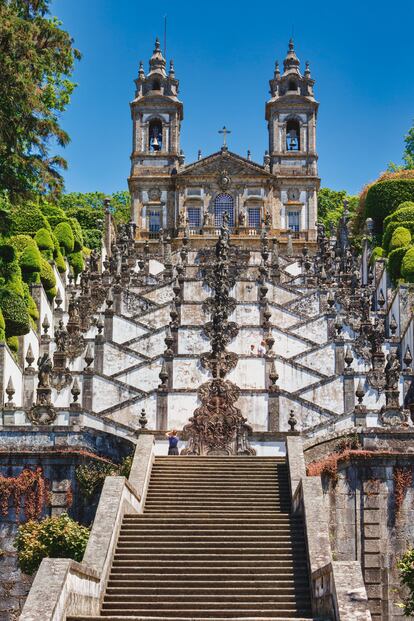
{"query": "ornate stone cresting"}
pixel 218 426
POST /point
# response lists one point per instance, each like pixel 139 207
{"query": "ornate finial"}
pixel 143 420
pixel 29 357
pixel 199 154
pixel 291 44
pixel 291 62
pixel 292 422
pixel 157 47
pixel 172 70
pixel 46 324
pixel 141 72
pixel 249 155
pixel 307 70
pixel 89 357
pixel 360 391
pixel 348 358
pixel 10 392
pixel 277 70
pixel 75 390
pixel 408 358
pixel 393 325
pixel 381 299
pixel 58 299
pixel 100 324
pixel 163 375
pixel 273 377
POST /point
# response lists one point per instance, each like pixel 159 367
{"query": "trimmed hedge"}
pixel 43 239
pixel 47 275
pixel 30 304
pixel 404 213
pixel 400 238
pixel 76 262
pixel 407 266
pixel 28 219
pixel 392 226
pixel 13 344
pixel 21 242
pixel 384 197
pixel 394 263
pixel 30 260
pixel 2 327
pixel 65 237
pixel 60 263
pixel 15 312
pixel 77 234
pixel 377 253
pixel 54 214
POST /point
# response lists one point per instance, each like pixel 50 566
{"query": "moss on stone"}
pixel 64 235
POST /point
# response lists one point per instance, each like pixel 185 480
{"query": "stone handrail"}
pixel 63 587
pixel 337 587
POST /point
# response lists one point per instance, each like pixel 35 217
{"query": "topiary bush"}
pixel 28 219
pixel 76 262
pixel 2 327
pixel 30 305
pixel 53 213
pixel 64 235
pixel 47 275
pixel 400 238
pixel 60 263
pixel 30 264
pixel 43 239
pixel 21 242
pixel 404 213
pixel 384 197
pixel 77 234
pixel 15 312
pixel 407 265
pixel 391 227
pixel 13 344
pixel 406 570
pixel 53 537
pixel 394 263
pixel 377 253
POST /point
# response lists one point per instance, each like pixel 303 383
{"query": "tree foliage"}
pixel 36 61
pixel 331 206
pixel 406 569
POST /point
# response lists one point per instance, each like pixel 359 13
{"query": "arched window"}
pixel 156 86
pixel 155 135
pixel 292 135
pixel 222 203
pixel 292 85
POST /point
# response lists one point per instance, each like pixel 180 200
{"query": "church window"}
pixel 222 203
pixel 154 220
pixel 194 218
pixel 155 135
pixel 292 135
pixel 254 217
pixel 292 85
pixel 293 220
pixel 156 86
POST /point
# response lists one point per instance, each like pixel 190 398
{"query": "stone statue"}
pixel 267 218
pixel 44 364
pixel 93 261
pixel 181 218
pixel 392 371
pixel 61 336
pixel 242 218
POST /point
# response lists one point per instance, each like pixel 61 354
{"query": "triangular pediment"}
pixel 233 164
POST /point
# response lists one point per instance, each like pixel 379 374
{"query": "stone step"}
pixel 234 590
pixel 203 582
pixel 265 616
pixel 215 602
pixel 246 563
pixel 213 537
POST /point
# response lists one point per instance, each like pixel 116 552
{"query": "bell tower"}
pixel 291 113
pixel 156 115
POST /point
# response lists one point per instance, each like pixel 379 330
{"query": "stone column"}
pixel 87 389
pixel 349 390
pixel 339 356
pixel 99 353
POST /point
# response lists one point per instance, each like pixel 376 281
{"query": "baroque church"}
pixel 168 194
pixel 279 354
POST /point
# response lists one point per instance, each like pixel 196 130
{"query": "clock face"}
pixel 293 194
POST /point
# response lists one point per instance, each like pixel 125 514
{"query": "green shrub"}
pixel 76 262
pixel 43 239
pixel 384 197
pixel 51 293
pixel 47 275
pixel 406 570
pixel 64 235
pixel 21 242
pixel 28 219
pixel 53 213
pixel 394 263
pixel 407 266
pixel 77 234
pixel 7 253
pixel 93 238
pixel 377 253
pixel 13 344
pixel 392 226
pixel 400 238
pixel 60 263
pixel 91 477
pixel 30 264
pixel 54 537
pixel 404 212
pixel 15 313
pixel 2 327
pixel 30 304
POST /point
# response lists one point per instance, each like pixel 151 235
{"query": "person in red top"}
pixel 172 442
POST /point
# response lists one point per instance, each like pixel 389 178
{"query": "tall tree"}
pixel 408 155
pixel 36 61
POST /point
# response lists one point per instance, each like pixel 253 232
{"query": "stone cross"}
pixel 224 131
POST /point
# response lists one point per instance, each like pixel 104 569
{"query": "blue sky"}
pixel 361 56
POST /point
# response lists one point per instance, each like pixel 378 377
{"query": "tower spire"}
pixel 157 60
pixel 291 62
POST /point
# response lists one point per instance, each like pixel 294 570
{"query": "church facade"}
pixel 280 193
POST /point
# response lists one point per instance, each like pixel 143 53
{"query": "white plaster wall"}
pixel 195 290
pixel 306 417
pixel 315 330
pixel 60 286
pixel 46 310
pixel 130 414
pixel 269 449
pixel 329 396
pixel 64 398
pixel 106 394
pixel 287 345
pixel 249 373
pixel 157 318
pixel 278 295
pixel 116 360
pixel 155 267
pixel 322 360
pixel 244 339
pixel 188 373
pixel 372 399
pixel 124 330
pixel 31 338
pixel 192 342
pixel 255 409
pixel 281 318
pixel 244 291
pixel 246 314
pixel 152 345
pixel 180 408
pixel 291 378
pixel 294 269
pixel 160 295
pixel 145 378
pixel 13 371
pixel 193 314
